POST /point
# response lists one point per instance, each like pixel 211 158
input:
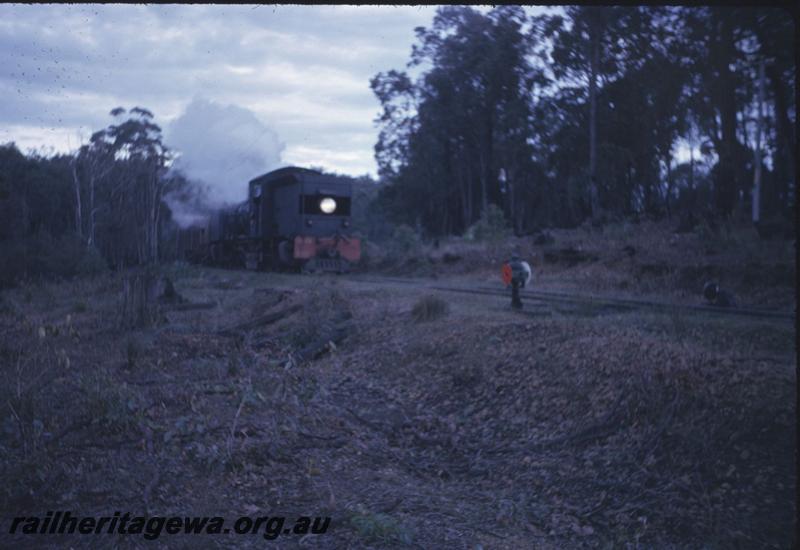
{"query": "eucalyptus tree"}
pixel 583 111
pixel 90 167
pixel 772 49
pixel 446 134
pixel 650 87
pixel 719 95
pixel 585 52
pixel 137 183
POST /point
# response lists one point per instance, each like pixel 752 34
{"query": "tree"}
pixel 91 165
pixel 774 30
pixel 583 113
pixel 396 94
pixel 719 93
pixel 138 182
pixel 446 134
pixel 584 51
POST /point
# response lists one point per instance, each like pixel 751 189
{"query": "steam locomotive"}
pixel 294 218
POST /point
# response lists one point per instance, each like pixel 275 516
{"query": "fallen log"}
pixel 569 256
pixel 333 333
pixel 190 306
pixel 259 321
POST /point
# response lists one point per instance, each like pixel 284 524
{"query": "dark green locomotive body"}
pixel 293 217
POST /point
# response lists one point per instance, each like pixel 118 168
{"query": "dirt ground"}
pixel 443 421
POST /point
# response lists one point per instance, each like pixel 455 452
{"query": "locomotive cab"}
pixel 301 218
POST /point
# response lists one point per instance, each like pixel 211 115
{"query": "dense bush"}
pixel 492 226
pixel 369 217
pixel 405 240
pixel 43 256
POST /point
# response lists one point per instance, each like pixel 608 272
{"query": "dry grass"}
pixel 429 308
pixel 634 259
pixel 493 429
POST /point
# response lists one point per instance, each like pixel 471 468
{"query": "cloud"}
pixel 223 146
pixel 305 69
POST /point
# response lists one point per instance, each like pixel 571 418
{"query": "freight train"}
pixel 293 218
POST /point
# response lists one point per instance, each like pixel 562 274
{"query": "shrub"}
pixel 43 256
pixel 403 248
pixel 108 405
pixel 12 266
pixel 405 240
pixel 491 226
pixel 91 262
pixel 429 308
pixel 380 528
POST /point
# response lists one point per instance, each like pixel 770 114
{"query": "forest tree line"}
pixel 99 207
pixel 557 119
pixel 114 203
pixel 547 120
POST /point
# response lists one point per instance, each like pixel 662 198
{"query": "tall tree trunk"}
pixel 728 176
pixel 785 141
pixel 92 211
pixel 484 197
pixel 691 179
pixel 78 209
pixel 668 160
pixel 449 205
pixel 491 175
pixel 470 195
pixel 647 186
pixel 759 131
pixel 156 210
pixel 594 65
pixel 462 193
pixel 512 202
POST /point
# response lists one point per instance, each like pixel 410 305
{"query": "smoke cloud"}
pixel 223 147
pixel 189 203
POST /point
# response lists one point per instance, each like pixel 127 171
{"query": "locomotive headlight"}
pixel 327 205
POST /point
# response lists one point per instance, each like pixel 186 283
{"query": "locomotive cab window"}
pixel 325 205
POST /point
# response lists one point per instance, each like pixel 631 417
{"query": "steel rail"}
pixel 592 299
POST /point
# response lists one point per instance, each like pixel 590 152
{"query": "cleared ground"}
pixel 644 259
pixel 454 425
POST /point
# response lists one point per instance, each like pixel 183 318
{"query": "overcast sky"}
pixel 260 85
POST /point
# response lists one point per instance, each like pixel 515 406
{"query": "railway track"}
pixel 592 300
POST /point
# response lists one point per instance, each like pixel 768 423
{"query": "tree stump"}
pixel 139 303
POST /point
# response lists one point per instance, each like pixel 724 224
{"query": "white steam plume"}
pixel 223 147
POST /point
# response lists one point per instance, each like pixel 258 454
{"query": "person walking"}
pixel 516 274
